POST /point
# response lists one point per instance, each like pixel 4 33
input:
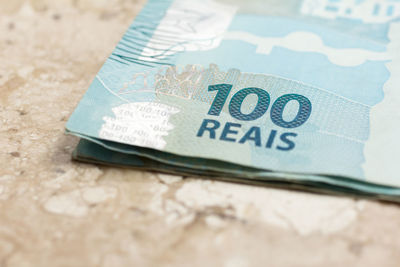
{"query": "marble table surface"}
pixel 56 212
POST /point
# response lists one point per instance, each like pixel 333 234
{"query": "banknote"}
pixel 93 152
pixel 291 91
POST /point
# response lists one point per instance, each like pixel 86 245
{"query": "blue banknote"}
pixel 307 88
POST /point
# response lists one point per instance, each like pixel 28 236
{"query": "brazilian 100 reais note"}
pixel 307 87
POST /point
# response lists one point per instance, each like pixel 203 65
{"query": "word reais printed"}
pixel 230 130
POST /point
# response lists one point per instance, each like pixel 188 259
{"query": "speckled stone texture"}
pixel 55 212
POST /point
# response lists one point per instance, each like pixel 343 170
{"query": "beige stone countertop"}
pixel 56 212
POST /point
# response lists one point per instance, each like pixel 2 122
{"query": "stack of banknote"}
pixel 299 93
